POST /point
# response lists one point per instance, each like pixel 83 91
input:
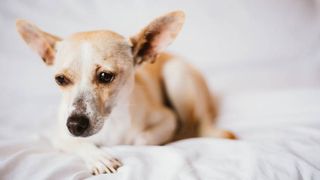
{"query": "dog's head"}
pixel 95 70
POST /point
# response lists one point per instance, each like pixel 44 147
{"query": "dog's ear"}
pixel 156 36
pixel 41 42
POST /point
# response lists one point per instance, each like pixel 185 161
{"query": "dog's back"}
pixel 173 83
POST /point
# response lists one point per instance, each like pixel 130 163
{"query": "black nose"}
pixel 77 124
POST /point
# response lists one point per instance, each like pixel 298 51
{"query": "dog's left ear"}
pixel 156 36
pixel 41 42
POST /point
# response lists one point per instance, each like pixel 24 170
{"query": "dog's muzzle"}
pixel 78 124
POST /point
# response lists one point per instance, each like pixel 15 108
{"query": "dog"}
pixel 119 90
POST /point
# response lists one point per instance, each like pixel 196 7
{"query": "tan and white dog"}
pixel 120 90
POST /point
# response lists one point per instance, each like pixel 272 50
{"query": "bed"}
pixel 261 59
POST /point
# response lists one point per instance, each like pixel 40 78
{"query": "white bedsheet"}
pixel 266 76
pixel 280 143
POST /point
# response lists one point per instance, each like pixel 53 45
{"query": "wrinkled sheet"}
pixel 265 75
pixel 280 143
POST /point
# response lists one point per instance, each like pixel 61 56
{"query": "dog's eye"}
pixel 62 80
pixel 106 77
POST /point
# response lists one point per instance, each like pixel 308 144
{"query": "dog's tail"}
pixel 190 97
pixel 208 130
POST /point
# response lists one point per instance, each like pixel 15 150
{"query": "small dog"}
pixel 120 90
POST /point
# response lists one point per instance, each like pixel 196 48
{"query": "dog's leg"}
pixel 160 128
pixel 97 160
pixel 191 98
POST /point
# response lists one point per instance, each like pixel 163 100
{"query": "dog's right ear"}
pixel 41 42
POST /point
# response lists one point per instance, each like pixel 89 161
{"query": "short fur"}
pixel 155 97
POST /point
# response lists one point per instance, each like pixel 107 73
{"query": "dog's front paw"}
pixel 105 166
pixel 103 163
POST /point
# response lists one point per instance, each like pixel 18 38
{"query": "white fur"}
pixel 116 126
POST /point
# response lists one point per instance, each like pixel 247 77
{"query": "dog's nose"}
pixel 77 124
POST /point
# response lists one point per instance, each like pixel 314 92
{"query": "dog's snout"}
pixel 78 124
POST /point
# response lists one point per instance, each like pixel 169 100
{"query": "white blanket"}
pixel 261 59
pixel 280 139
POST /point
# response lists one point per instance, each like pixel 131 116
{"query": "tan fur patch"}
pixel 41 42
pixel 156 36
